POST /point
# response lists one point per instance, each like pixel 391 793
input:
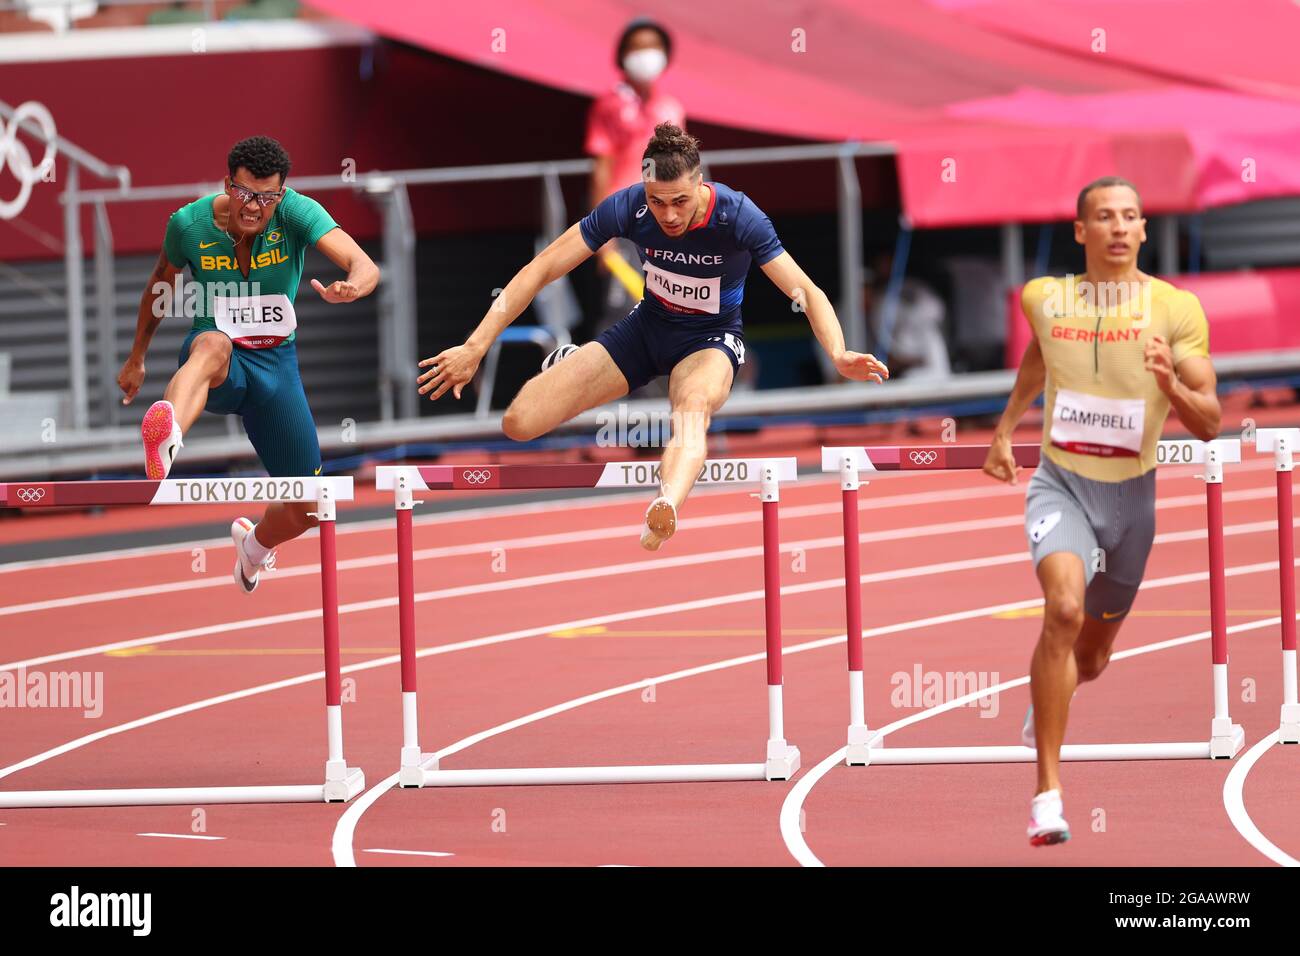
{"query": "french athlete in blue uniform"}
pixel 696 241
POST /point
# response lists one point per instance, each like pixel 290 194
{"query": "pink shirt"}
pixel 621 123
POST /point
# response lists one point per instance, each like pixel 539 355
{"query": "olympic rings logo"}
pixel 476 477
pixel 31 495
pixel 14 154
pixel 924 457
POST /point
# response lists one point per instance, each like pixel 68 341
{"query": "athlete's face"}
pixel 674 204
pixel 1112 230
pixel 252 200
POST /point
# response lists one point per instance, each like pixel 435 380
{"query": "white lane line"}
pixel 584 574
pixel 1234 802
pixel 792 807
pixel 180 836
pixel 410 852
pixel 746 516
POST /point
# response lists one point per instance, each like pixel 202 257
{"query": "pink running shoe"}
pixel 1046 825
pixel 162 439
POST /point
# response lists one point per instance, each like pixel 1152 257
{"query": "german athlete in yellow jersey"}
pixel 1114 350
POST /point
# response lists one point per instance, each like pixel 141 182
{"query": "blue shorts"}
pixel 263 388
pixel 644 346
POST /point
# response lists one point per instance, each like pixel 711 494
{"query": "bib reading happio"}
pixel 255 321
pixel 1092 425
pixel 687 292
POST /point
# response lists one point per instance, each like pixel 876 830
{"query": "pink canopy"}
pixel 998 110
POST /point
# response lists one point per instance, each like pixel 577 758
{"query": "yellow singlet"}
pixel 1103 411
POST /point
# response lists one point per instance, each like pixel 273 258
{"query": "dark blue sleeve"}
pixel 607 221
pixel 754 232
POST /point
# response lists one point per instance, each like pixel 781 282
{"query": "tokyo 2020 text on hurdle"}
pixel 341 782
pixel 866 746
pixel 420 769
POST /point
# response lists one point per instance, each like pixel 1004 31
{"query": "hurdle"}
pixel 420 769
pixel 341 782
pixel 1282 443
pixel 866 746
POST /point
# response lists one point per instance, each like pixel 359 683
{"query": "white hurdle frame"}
pixel 866 746
pixel 419 769
pixel 341 782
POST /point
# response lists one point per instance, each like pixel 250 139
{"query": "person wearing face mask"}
pixel 620 123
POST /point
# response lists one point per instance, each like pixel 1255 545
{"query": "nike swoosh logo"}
pixel 317 471
pixel 1107 616
pixel 204 245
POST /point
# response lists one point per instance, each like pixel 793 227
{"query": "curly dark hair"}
pixel 261 156
pixel 670 154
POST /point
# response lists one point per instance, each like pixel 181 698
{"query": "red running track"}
pixel 937 544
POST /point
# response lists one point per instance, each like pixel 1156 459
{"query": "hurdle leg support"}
pixel 342 782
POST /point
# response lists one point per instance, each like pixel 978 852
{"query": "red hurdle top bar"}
pixel 172 491
pixel 619 474
pixel 925 457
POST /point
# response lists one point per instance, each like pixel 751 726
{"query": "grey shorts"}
pixel 1109 525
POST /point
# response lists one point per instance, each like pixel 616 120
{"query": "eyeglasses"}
pixel 245 196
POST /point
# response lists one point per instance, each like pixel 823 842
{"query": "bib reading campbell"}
pixel 255 311
pixel 1102 410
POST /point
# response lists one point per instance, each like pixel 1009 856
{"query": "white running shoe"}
pixel 246 571
pixel 162 439
pixel 1046 825
pixel 660 523
pixel 563 352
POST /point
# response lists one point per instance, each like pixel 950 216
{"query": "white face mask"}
pixel 644 66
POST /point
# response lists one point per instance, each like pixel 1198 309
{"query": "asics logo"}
pixel 31 494
pixel 641 212
pixel 476 477
pixel 926 457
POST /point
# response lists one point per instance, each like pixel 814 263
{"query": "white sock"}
pixel 254 550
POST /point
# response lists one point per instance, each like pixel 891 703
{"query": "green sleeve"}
pixel 307 219
pixel 173 246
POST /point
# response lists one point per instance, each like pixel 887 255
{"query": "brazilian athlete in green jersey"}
pixel 244 248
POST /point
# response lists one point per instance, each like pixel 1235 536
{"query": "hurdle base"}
pixel 1016 754
pixel 861 740
pixel 564 776
pixel 782 760
pixel 341 790
pixel 1288 730
pixel 1226 739
pixel 173 796
pixel 414 764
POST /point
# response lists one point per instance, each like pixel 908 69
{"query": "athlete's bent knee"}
pixel 1063 616
pixel 519 425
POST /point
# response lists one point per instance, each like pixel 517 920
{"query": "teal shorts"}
pixel 264 389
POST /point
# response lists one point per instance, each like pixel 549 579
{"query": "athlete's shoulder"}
pixel 1177 299
pixel 193 212
pixel 1038 290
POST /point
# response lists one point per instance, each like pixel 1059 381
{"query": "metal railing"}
pixel 74 267
pixel 397 300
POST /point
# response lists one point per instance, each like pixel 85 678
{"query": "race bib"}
pixel 255 321
pixel 1091 425
pixel 690 293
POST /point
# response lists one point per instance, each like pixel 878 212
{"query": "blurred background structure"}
pixel 920 159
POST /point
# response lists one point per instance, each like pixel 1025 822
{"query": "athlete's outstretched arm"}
pixel 1191 388
pixel 794 282
pixel 453 368
pixel 1030 379
pixel 363 275
pixel 159 288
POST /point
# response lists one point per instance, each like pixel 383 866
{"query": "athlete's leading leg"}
pixel 1053 672
pixel 206 367
pixel 698 386
pixel 584 380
